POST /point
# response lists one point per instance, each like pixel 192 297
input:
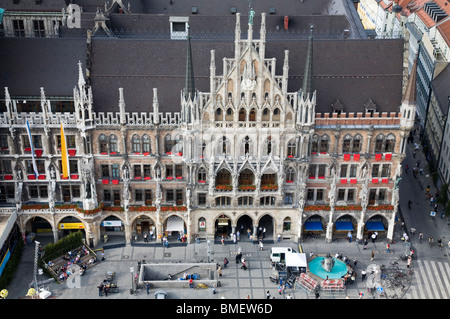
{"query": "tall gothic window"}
pixel 113 143
pixel 103 143
pixel 146 144
pixel 136 144
pixel 291 148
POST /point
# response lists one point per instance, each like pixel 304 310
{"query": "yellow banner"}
pixel 64 156
pixel 70 226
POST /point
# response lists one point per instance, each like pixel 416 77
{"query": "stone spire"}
pixel 189 84
pixel 307 78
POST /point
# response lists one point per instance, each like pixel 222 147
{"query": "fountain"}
pixel 327 267
pixel 327 263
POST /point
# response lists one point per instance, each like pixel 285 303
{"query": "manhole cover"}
pixel 167 254
pixel 125 256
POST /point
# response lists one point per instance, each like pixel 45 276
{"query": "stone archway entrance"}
pixel 265 228
pixel 245 227
pixel 222 227
pixel 114 228
pixel 70 224
pixel 144 229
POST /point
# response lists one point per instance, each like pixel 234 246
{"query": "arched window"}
pixel 276 114
pixel 219 115
pixel 266 115
pixel 103 143
pixel 178 147
pixel 113 143
pixel 291 149
pixel 390 143
pixel 346 144
pixel 229 115
pixel 287 224
pixel 379 141
pixel 201 175
pixel 356 146
pixel 168 144
pixel 136 144
pixel 223 201
pixel 324 143
pixel 146 147
pixel 290 175
pixel 242 115
pixel 245 201
pixel 315 144
pixel 267 201
pixel 252 116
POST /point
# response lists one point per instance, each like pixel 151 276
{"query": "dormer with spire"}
pixel 189 99
pixel 82 98
pixel 307 96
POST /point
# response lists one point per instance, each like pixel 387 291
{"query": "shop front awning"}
pixel 175 225
pixel 313 226
pixel 375 226
pixel 344 225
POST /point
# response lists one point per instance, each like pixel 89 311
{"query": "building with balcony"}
pixel 291 135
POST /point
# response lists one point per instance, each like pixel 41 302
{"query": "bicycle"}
pixel 202 286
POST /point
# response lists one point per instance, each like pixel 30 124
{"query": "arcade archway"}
pixel 114 228
pixel 265 228
pixel 223 226
pixel 144 229
pixel 245 227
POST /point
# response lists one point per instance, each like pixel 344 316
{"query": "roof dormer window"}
pixel 178 28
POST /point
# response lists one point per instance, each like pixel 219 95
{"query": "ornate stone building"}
pixel 249 153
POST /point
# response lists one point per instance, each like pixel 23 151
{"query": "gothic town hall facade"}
pixel 248 154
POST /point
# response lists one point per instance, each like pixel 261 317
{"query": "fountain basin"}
pixel 339 269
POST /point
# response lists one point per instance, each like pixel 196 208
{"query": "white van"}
pixel 278 254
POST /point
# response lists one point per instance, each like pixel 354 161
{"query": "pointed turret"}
pixel 307 78
pixel 123 119
pixel 155 107
pixel 189 84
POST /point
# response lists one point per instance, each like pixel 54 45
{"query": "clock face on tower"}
pixel 248 84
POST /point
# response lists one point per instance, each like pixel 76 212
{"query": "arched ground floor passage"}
pixel 148 227
pixel 344 227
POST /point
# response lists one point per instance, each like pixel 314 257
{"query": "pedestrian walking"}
pixel 219 271
pixel 355 262
pixel 225 262
pixel 191 283
pixel 372 256
pixel 222 240
pixel 268 294
pixel 100 289
pixel 363 275
pixel 365 244
pixel 373 237
pixel 214 289
pixel 388 248
pixel 147 286
pixel 317 295
pixel 261 245
pixel 349 237
pixel 408 263
pixel 105 290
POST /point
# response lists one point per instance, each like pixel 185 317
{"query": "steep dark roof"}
pixel 352 71
pixel 26 64
pixel 441 88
